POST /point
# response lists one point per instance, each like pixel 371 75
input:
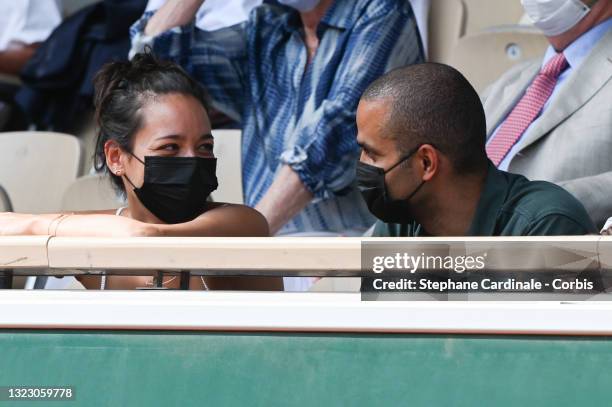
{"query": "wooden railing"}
pixel 309 256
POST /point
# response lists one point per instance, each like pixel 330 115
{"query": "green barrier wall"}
pixel 111 368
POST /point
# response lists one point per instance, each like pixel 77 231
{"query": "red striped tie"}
pixel 526 110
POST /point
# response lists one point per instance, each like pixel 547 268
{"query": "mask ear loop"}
pixel 415 191
pixel 407 156
pixel 125 175
pixel 128 180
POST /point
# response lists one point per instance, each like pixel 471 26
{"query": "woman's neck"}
pixel 136 210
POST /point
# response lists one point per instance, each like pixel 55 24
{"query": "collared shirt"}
pixel 575 54
pixel 511 205
pixel 293 112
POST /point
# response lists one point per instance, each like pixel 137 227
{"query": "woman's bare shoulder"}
pixel 225 209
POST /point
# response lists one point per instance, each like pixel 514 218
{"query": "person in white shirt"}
pixel 216 14
pixel 23 25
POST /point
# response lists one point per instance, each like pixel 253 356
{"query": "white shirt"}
pixel 575 53
pixel 216 14
pixel 27 21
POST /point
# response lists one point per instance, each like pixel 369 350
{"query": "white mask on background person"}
pixel 554 17
pixel 300 5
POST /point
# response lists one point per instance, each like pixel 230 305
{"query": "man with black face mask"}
pixel 424 171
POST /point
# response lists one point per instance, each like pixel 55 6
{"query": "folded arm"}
pixel 221 220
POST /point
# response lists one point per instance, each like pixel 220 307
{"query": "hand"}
pixel 16 224
pixel 285 198
pixel 607 232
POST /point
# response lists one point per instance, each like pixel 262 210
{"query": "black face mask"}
pixel 371 183
pixel 175 189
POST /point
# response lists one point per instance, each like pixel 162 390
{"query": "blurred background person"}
pixel 57 90
pixel 551 119
pixel 24 24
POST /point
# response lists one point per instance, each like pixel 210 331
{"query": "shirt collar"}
pixel 577 51
pixel 339 16
pixel 491 200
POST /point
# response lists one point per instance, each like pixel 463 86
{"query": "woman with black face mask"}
pixel 155 143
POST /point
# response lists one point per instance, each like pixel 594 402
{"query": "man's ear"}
pixel 114 155
pixel 429 161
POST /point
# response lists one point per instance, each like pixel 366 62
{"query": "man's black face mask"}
pixel 371 183
pixel 175 189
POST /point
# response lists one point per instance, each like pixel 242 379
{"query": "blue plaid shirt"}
pixel 293 112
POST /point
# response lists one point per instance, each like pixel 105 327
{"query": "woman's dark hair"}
pixel 122 89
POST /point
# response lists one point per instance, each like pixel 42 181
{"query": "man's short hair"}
pixel 434 104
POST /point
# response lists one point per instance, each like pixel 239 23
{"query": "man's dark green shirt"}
pixel 511 205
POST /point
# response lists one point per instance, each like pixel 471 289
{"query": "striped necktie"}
pixel 527 109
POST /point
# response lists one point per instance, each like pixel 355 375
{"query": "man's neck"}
pixel 600 12
pixel 310 22
pixel 312 18
pixel 453 209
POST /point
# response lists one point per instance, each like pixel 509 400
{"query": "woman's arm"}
pixel 219 220
pixel 100 224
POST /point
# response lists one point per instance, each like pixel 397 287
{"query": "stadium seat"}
pixel 446 26
pixel 90 193
pixel 37 167
pixel 229 166
pixel 485 56
pixel 449 20
pixel 482 15
pixel 5 202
